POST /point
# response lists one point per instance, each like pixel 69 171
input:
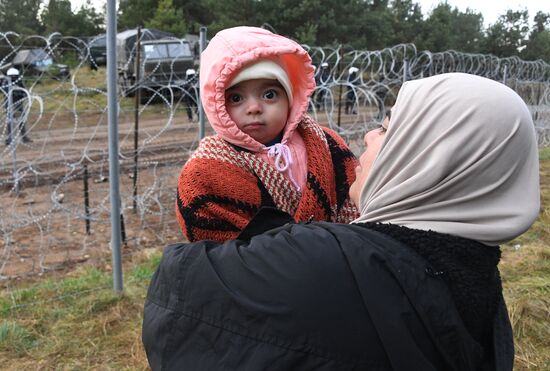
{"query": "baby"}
pixel 254 88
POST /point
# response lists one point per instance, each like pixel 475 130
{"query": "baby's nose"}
pixel 254 106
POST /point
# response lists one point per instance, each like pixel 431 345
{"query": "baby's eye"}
pixel 270 94
pixel 233 98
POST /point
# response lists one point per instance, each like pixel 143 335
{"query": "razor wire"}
pixel 55 195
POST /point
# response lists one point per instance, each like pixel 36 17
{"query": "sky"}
pixel 490 9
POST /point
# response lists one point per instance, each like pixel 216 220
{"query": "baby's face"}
pixel 259 107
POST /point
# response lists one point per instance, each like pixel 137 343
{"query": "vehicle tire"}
pixel 129 92
pixel 93 65
pixel 144 96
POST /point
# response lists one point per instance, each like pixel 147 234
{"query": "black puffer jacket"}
pixel 314 296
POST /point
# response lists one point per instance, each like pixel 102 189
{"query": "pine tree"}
pixel 168 18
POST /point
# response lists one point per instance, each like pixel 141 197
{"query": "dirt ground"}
pixel 43 215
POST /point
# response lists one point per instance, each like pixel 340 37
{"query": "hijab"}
pixel 460 157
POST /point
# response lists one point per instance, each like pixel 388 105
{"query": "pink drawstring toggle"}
pixel 283 160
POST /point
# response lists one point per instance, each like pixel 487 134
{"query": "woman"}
pixel 412 285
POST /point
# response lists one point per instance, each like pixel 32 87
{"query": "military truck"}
pixel 163 62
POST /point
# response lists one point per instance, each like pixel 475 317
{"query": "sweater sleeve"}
pixel 215 199
pixel 344 163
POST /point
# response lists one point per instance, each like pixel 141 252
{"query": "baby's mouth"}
pixel 254 125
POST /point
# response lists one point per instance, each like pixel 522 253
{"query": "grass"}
pixel 525 270
pixel 76 322
pixel 60 100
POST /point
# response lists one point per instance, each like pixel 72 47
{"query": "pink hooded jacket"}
pixel 231 50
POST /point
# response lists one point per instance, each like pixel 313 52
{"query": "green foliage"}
pixel 89 21
pixel 450 29
pixel 358 24
pixel 375 31
pixel 508 34
pixel 70 58
pixel 195 12
pixel 468 32
pixel 230 13
pixel 307 33
pixel 144 272
pixel 59 17
pixel 168 18
pixel 538 45
pixel 20 16
pixel 14 337
pixel 406 21
pixel 133 13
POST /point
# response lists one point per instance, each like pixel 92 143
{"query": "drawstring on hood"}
pixel 283 160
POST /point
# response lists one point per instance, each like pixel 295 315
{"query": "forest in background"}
pixel 359 24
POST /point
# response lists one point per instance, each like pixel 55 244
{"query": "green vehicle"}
pixel 162 64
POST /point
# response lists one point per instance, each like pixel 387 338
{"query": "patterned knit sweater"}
pixel 222 186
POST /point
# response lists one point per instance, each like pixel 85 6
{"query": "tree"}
pixel 133 13
pixel 359 24
pixel 375 30
pixel 438 30
pixel 195 12
pixel 542 20
pixel 90 22
pixel 468 31
pixel 450 29
pixel 315 22
pixel 230 13
pixel 291 18
pixel 508 35
pixel 20 16
pixel 538 45
pixel 167 18
pixel 406 22
pixel 59 17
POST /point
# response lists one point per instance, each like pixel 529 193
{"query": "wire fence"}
pixel 54 162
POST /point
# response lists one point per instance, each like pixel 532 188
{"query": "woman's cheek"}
pixel 357 171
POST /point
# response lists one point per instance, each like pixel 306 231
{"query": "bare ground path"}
pixel 44 227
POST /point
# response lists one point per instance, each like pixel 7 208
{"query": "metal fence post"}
pixel 202 44
pixel 136 116
pixel 112 108
pixel 12 136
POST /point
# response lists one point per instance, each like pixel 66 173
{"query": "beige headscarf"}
pixel 460 157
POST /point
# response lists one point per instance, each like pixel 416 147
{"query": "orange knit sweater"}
pixel 222 186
